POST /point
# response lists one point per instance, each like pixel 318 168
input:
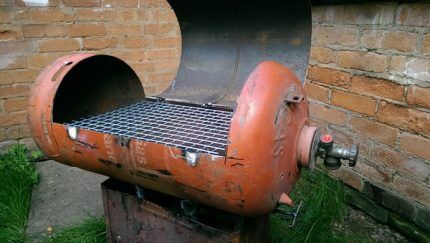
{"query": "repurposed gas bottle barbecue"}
pixel 232 131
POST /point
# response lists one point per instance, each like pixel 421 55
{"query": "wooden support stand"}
pixel 157 217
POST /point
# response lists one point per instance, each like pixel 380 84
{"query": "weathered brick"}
pixel 83 30
pixel 413 14
pixel 90 14
pixel 354 102
pixel 2 134
pixel 10 32
pixel 50 3
pixel 125 30
pixel 346 36
pixel 329 76
pixel 28 143
pixel 11 119
pixel 6 16
pixel 46 15
pixel 323 55
pixel 399 162
pixel 415 145
pixel 16 104
pixel 15 48
pixel 377 87
pixel 373 172
pixel 366 61
pixel 418 96
pixel 418 68
pixel 97 43
pixel 426 45
pixel 361 201
pixel 43 30
pixel 327 114
pixel 59 45
pixel 372 39
pixel 135 42
pixel 371 14
pixel 17 76
pixel 156 54
pixel 168 41
pixel 341 136
pixel 121 3
pixel 127 15
pixel 161 77
pixel 398 64
pixel 154 4
pixel 13 62
pixel 160 15
pixel 412 189
pixel 400 41
pixel 81 3
pixel 317 92
pixel 12 91
pixel 160 29
pixel 349 177
pixel 12 132
pixel 410 119
pixel 374 130
pixel 24 131
pixel 41 60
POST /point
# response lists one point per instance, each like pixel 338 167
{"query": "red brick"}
pixel 17 76
pixel 6 16
pixel 413 14
pixel 94 14
pixel 14 91
pixel 162 86
pixel 13 62
pixel 46 15
pixel 418 68
pixel 83 30
pixel 327 114
pixel 98 43
pixel 43 30
pixel 323 55
pixel 329 76
pixel 41 60
pixel 366 61
pixel 373 172
pixel 426 45
pixel 353 102
pixel 418 96
pixel 154 3
pixel 125 30
pixel 24 131
pixel 397 161
pixel 136 42
pixel 127 15
pixel 160 15
pixel 398 64
pixel 317 92
pixel 346 36
pixel 11 119
pixel 121 3
pixel 374 131
pixel 161 77
pixel 10 32
pixel 400 41
pixel 377 87
pixel 16 104
pixel 59 45
pixel 372 39
pixel 412 189
pixel 161 54
pixel 163 65
pixel 15 48
pixel 169 41
pixel 81 3
pixel 409 119
pixel 349 177
pixel 415 145
pixel 160 29
pixel 13 132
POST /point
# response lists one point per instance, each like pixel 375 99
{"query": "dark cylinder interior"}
pixel 224 40
pixel 95 85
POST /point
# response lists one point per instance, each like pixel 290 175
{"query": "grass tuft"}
pixel 323 208
pixel 91 230
pixel 17 177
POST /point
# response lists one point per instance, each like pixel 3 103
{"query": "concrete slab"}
pixel 65 195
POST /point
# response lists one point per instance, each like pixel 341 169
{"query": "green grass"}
pixel 323 207
pixel 17 177
pixel 91 230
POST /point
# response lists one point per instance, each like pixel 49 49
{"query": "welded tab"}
pixel 224 40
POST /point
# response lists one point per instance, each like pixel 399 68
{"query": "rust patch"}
pixel 86 145
pixel 165 172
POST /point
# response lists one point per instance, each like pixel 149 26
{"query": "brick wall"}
pixel 369 80
pixel 33 33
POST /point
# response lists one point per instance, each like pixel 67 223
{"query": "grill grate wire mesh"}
pixel 191 128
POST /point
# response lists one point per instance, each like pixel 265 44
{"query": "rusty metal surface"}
pixel 224 41
pixel 261 162
pixel 157 217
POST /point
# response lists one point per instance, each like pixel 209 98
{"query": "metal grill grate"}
pixel 191 128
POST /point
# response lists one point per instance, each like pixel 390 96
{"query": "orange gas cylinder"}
pixel 232 131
